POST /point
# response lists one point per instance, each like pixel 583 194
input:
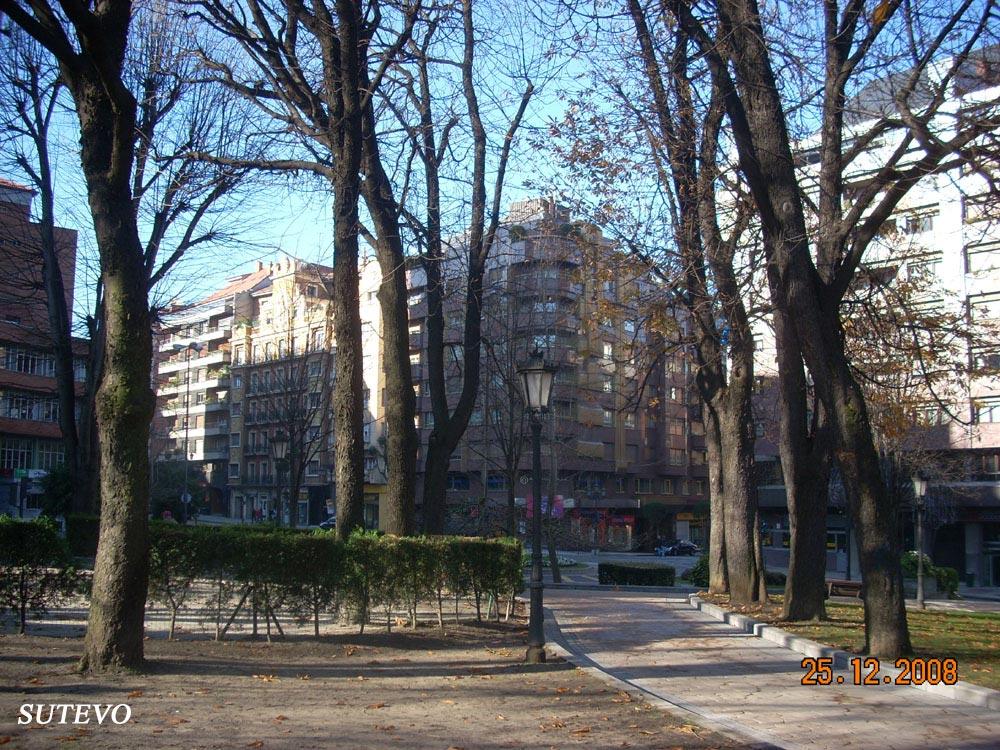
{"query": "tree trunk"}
pixel 805 463
pixel 348 404
pixel 400 401
pixel 736 428
pixel 125 401
pixel 718 582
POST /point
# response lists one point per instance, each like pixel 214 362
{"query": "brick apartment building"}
pixel 30 437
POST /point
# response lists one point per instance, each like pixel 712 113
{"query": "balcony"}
pixel 218 357
pixel 174 409
pixel 217 333
pixel 221 428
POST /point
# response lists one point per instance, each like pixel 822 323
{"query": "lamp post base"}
pixel 535 655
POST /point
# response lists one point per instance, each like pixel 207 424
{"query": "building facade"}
pixel 623 447
pixel 30 437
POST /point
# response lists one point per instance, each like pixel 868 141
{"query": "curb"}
pixel 557 643
pixel 960 691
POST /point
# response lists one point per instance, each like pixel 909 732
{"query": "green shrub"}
pixel 306 574
pixel 635 575
pixel 947 581
pixel 35 568
pixel 697 574
pixel 82 531
pixel 773 578
pixel 946 578
pixel 177 556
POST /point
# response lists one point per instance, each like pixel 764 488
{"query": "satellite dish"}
pixel 525 479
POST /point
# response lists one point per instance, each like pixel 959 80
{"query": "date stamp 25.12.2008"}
pixel 868 671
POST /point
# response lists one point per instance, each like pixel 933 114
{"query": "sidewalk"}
pixel 744 685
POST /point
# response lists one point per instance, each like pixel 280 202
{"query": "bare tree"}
pixel 290 61
pixel 438 131
pixel 925 55
pixel 89 43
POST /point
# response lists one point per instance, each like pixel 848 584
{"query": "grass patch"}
pixel 971 638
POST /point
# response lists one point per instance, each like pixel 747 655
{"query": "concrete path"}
pixel 747 686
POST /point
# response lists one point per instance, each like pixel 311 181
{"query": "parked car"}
pixel 678 547
pixel 329 524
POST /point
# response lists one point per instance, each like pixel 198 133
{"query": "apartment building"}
pixel 942 246
pixel 624 452
pixel 194 379
pixel 30 437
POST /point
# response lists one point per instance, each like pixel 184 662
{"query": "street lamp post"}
pixel 187 349
pixel 536 379
pixel 279 449
pixel 920 495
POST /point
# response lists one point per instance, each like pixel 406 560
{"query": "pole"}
pixel 920 554
pixel 187 427
pixel 536 627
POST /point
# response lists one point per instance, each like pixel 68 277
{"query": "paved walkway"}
pixel 749 686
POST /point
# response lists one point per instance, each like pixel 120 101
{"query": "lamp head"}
pixel 536 381
pixel 279 446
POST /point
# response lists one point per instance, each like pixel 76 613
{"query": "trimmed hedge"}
pixel 946 578
pixel 307 574
pixel 35 568
pixel 635 575
pixel 82 531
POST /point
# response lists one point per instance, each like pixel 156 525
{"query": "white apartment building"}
pixel 946 236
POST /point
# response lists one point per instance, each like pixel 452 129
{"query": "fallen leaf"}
pixel 501 717
pixel 5 739
pixel 448 701
pixel 304 677
pixel 281 717
pixel 266 677
pixel 372 706
pixel 257 743
pixel 581 730
pixel 135 694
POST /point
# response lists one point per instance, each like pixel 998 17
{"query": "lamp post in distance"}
pixel 191 346
pixel 536 380
pixel 279 449
pixel 920 505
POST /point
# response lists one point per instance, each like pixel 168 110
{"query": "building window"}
pixel 415 358
pixel 644 486
pixel 496 481
pixel 234 440
pixel 919 223
pixel 314 400
pixel 986 467
pixel 609 418
pixel 677 456
pixel 629 326
pixel 676 426
pixel 675 393
pixel 621 485
pixel 15 453
pixel 630 420
pixel 457 481
pixel 30 407
pixel 667 486
pixel 608 351
pixel 50 454
pixel 987 410
pixel 234 471
pixel 30 362
pixel 311 290
pixel 607 383
pixel 312 468
pixel 236 408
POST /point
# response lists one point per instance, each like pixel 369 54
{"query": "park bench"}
pixel 843 588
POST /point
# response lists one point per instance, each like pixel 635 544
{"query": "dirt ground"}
pixel 463 688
